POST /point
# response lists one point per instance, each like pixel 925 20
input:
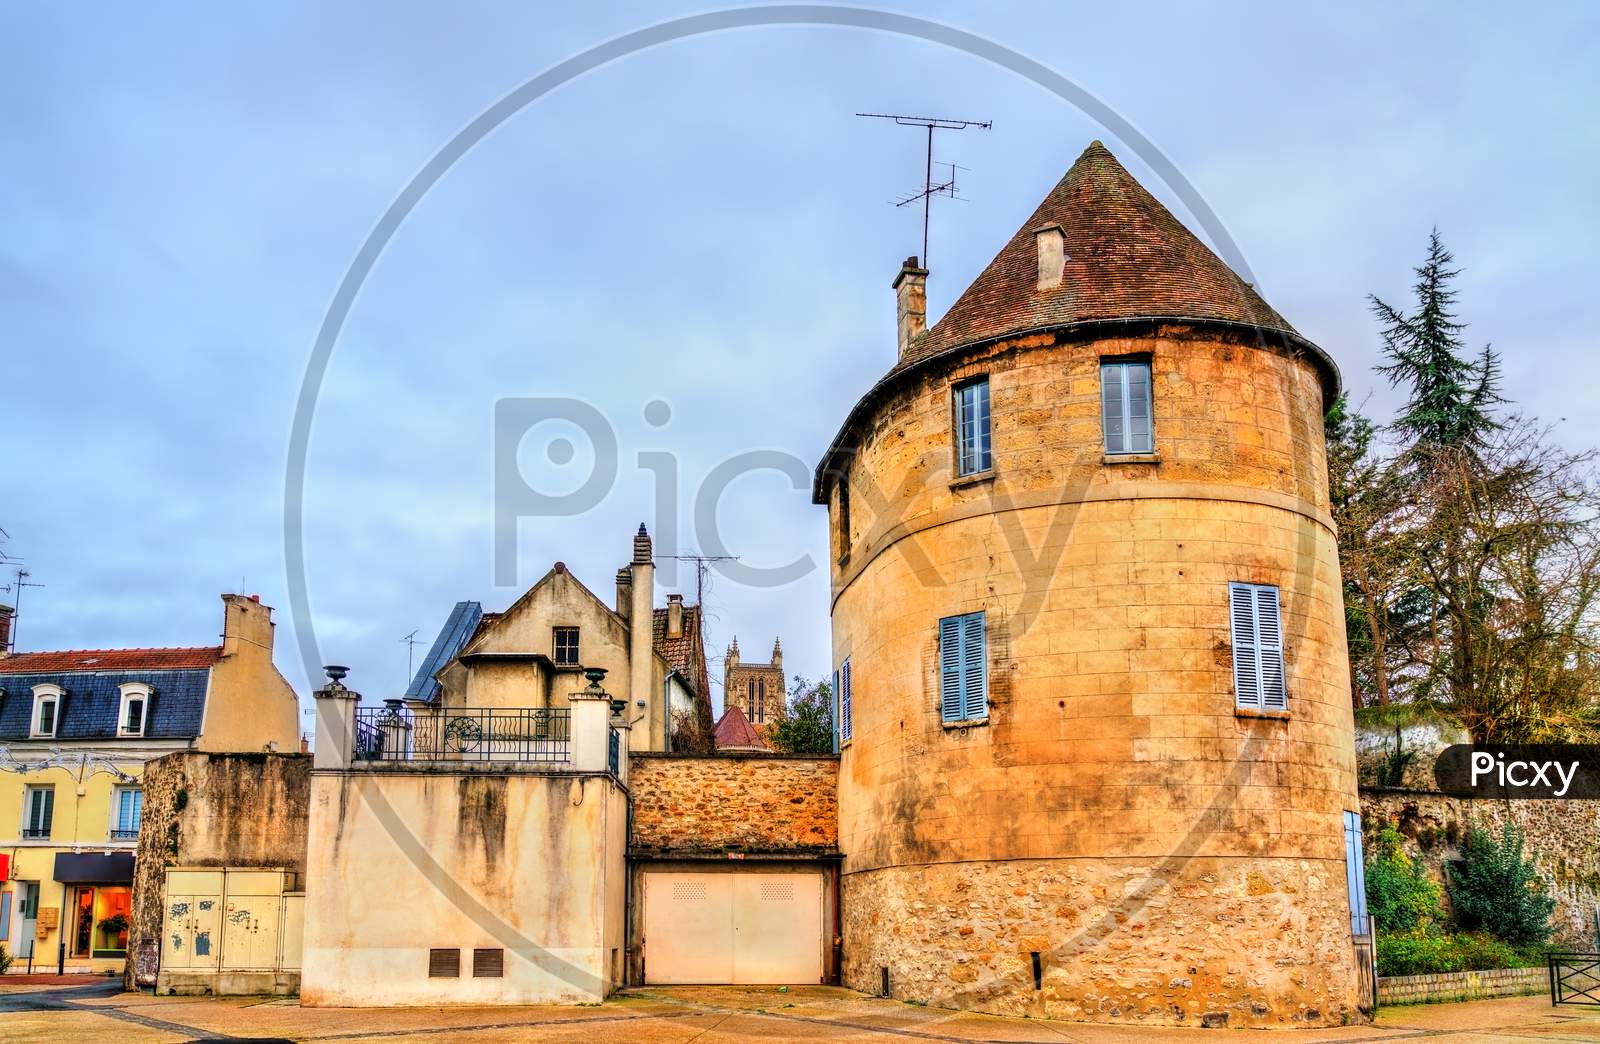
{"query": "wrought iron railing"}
pixel 1574 978
pixel 536 734
pixel 124 835
pixel 614 751
pixel 35 833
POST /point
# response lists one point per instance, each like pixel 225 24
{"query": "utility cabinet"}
pixel 234 930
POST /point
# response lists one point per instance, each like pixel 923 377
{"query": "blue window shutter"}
pixel 1355 873
pixel 1246 666
pixel 1269 645
pixel 838 711
pixel 950 668
pixel 846 703
pixel 974 670
pixel 1111 416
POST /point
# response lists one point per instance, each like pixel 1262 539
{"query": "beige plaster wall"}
pixel 404 860
pixel 250 706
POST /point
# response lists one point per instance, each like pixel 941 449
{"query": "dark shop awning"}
pixel 94 867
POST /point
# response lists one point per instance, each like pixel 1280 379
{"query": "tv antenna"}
pixel 929 188
pixel 16 587
pixel 701 567
pixel 410 642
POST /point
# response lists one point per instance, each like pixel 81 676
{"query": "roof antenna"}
pixel 410 641
pixel 16 608
pixel 946 187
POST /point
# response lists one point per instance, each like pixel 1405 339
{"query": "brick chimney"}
pixel 6 612
pixel 674 616
pixel 246 625
pixel 910 304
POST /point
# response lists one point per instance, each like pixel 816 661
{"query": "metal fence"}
pixel 535 734
pixel 1574 978
pixel 614 750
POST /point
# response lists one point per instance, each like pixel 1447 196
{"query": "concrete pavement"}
pixel 706 1015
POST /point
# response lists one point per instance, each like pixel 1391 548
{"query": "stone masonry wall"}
pixel 214 810
pixel 1468 985
pixel 1193 942
pixel 1563 837
pixel 753 803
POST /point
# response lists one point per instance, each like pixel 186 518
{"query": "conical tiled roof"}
pixel 1127 257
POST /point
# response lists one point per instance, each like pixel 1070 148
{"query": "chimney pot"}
pixel 910 305
pixel 674 616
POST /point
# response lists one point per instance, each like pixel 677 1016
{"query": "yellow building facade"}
pixel 1097 755
pixel 76 729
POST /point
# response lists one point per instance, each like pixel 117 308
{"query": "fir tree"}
pixel 1452 397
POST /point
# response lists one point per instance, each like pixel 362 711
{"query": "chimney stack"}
pixel 624 592
pixel 674 616
pixel 246 626
pixel 910 304
pixel 6 612
pixel 1052 243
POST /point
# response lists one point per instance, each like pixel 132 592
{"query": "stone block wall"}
pixel 750 803
pixel 1563 837
pixel 1469 985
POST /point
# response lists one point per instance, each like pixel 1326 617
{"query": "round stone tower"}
pixel 1096 738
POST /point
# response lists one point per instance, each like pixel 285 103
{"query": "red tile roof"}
pixel 680 652
pixel 110 660
pixel 734 732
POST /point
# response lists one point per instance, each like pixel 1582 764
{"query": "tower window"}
pixel 843 516
pixel 566 646
pixel 973 455
pixel 963 670
pixel 1125 407
pixel 1254 615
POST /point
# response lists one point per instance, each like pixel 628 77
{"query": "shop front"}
pixel 98 893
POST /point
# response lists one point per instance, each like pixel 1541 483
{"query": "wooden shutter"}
pixel 950 668
pixel 1269 647
pixel 847 724
pixel 1246 667
pixel 838 714
pixel 1111 416
pixel 974 669
pixel 1136 394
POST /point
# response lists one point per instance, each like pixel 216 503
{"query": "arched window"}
pixel 135 709
pixel 46 711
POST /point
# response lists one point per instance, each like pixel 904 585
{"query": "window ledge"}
pixel 1257 712
pixel 976 478
pixel 970 723
pixel 1132 458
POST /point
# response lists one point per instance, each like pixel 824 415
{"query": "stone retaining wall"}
pixel 748 803
pixel 1467 985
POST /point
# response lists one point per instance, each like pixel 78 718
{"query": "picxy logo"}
pixel 1552 770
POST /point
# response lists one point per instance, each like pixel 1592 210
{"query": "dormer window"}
pixel 46 711
pixel 135 709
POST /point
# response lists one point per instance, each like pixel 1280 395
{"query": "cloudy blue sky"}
pixel 705 224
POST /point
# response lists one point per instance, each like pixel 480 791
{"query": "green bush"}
pixel 1429 954
pixel 1493 888
pixel 1401 898
pixel 5 958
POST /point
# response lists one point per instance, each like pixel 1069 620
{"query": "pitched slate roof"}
pixel 93 701
pixel 734 732
pixel 459 628
pixel 109 660
pixel 1127 258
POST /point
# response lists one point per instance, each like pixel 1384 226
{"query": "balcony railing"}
pixel 513 734
pixel 125 835
pixel 35 833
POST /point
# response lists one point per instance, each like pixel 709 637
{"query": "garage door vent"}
pixel 777 891
pixel 688 890
pixel 488 964
pixel 444 964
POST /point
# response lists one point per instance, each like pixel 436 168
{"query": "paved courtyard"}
pixel 42 1012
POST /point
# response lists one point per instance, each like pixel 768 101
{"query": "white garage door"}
pixel 741 928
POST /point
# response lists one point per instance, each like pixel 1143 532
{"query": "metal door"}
pixel 191 933
pixel 252 918
pixel 735 927
pixel 289 938
pixel 27 917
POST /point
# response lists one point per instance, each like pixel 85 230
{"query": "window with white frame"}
pixel 46 711
pixel 847 723
pixel 38 811
pixel 135 709
pixel 1256 619
pixel 127 808
pixel 566 646
pixel 1125 406
pixel 963 670
pixel 973 453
